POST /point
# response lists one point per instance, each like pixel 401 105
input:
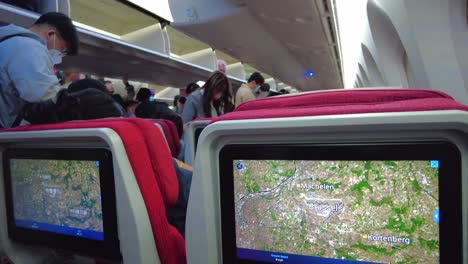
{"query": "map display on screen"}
pixel 61 196
pixel 369 211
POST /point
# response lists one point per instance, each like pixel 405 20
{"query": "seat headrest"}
pixel 345 102
pixel 171 134
pixel 161 163
pixel 340 97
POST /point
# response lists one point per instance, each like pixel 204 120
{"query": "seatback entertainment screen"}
pixel 354 210
pixel 341 203
pixel 60 196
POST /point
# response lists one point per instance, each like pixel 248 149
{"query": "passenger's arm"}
pixel 190 110
pixel 31 73
pixel 238 99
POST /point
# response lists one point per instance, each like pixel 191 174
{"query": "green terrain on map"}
pixel 377 211
pixel 65 193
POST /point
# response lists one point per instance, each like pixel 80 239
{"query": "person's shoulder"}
pixel 244 90
pixel 24 43
pixel 195 96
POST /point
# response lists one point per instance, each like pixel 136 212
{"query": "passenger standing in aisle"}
pixel 246 91
pixel 181 104
pixel 212 100
pixel 111 89
pixel 191 87
pixel 264 91
pixel 129 88
pixel 175 104
pixel 27 58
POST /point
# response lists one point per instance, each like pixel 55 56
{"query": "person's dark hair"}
pixel 65 28
pixel 81 105
pixel 273 93
pixel 106 82
pixel 191 87
pixel 257 77
pixel 85 84
pixel 265 87
pixel 182 100
pixel 176 99
pixel 143 95
pixel 158 110
pixel 218 82
pixel 283 91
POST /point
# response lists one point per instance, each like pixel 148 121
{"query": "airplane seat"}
pixel 191 134
pixel 338 97
pixel 175 135
pixel 162 132
pixel 344 102
pixel 170 132
pixel 254 170
pixel 145 185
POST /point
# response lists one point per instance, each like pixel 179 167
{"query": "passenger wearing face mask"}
pixel 212 100
pixel 247 91
pixel 27 58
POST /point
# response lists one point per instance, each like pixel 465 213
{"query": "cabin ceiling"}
pixel 282 40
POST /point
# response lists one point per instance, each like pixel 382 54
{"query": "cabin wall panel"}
pixel 373 72
pixel 388 45
pixel 363 74
pixel 432 35
pixel 459 34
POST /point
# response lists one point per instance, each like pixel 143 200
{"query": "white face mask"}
pixel 55 55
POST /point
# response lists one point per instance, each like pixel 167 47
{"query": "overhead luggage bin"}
pixel 272 84
pixel 206 58
pixel 237 70
pixel 110 57
pixel 152 37
pixel 167 94
pixel 280 86
pixel 260 195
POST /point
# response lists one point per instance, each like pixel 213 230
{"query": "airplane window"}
pixel 30 5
